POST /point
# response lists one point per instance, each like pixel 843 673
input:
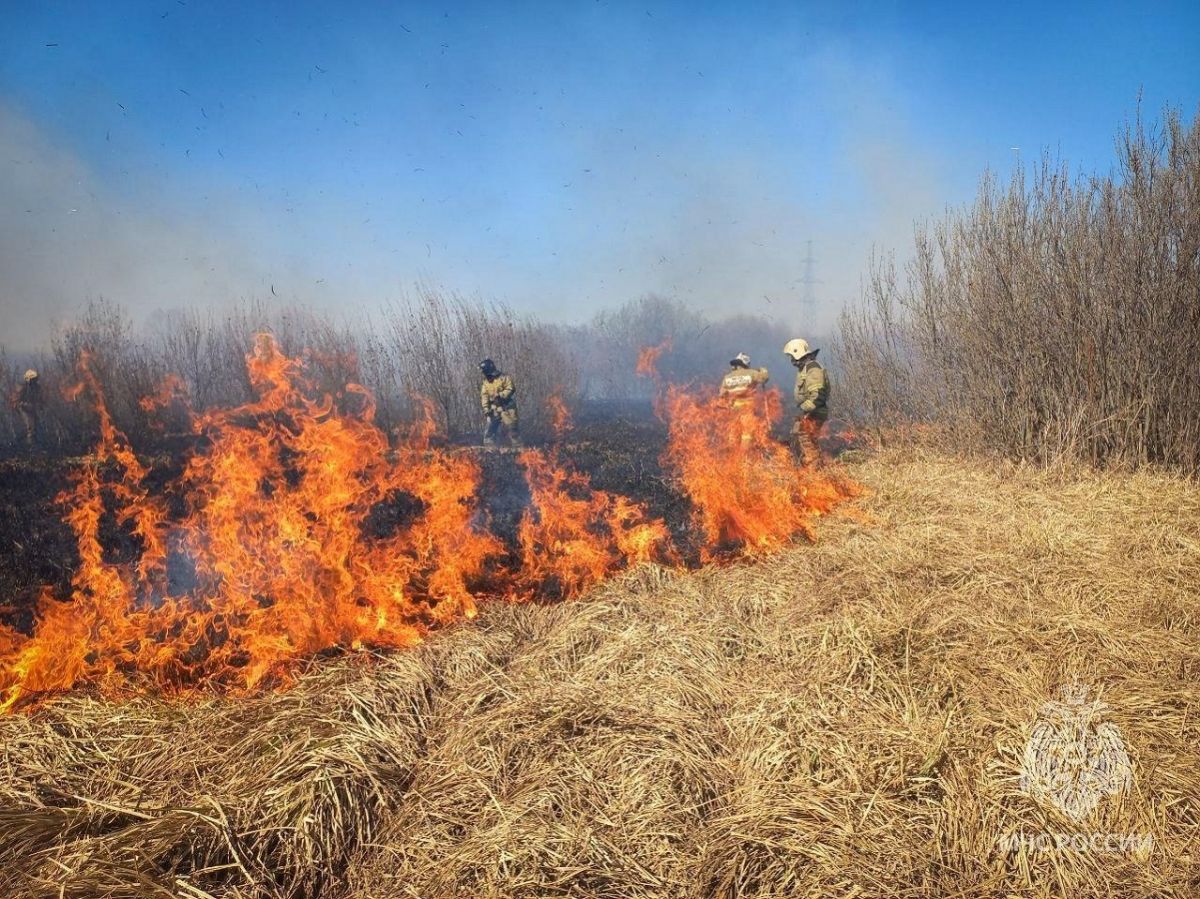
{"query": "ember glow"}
pixel 271 548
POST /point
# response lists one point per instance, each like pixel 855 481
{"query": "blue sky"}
pixel 559 156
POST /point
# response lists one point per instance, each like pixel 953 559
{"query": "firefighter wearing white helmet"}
pixel 29 405
pixel 742 382
pixel 812 399
pixel 739 387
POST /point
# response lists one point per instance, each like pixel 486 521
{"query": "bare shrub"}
pixel 429 345
pixel 1058 317
pixel 125 365
pixel 433 344
pixel 700 346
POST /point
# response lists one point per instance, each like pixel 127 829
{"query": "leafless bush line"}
pixel 428 345
pixel 1057 318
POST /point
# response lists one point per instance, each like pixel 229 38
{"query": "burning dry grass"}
pixel 278 554
pixel 846 718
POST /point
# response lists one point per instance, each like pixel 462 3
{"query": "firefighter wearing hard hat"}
pixel 812 399
pixel 29 405
pixel 498 396
pixel 742 382
pixel 739 387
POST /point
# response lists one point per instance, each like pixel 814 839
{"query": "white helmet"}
pixel 740 359
pixel 30 375
pixel 797 348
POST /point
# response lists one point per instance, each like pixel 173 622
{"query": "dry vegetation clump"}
pixel 152 798
pixel 1056 317
pixel 429 344
pixel 587 766
pixel 847 718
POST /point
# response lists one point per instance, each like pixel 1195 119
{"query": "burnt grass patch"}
pixel 617 446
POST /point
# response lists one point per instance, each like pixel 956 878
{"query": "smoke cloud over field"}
pixel 65 237
pixel 626 217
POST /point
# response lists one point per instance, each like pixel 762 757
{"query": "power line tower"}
pixel 808 296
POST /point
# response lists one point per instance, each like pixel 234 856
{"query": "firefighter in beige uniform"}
pixel 812 399
pixel 740 386
pixel 498 396
pixel 742 382
pixel 29 404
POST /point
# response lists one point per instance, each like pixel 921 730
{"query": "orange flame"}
pixel 302 531
pixel 574 535
pixel 170 390
pixel 746 490
pixel 560 416
pixel 284 558
pixel 648 356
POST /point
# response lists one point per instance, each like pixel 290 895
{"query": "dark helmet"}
pixel 488 367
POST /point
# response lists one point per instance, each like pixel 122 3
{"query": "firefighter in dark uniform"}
pixel 29 405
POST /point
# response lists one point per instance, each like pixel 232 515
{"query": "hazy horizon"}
pixel 560 160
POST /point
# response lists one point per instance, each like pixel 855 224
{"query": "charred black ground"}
pixel 617 446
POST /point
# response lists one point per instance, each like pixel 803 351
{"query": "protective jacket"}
pixel 741 383
pixel 497 394
pixel 812 389
pixel 29 396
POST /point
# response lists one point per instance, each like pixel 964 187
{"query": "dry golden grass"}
pixel 844 719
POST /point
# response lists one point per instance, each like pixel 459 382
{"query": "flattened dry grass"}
pixel 843 719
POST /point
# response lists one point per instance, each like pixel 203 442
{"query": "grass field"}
pixel 847 718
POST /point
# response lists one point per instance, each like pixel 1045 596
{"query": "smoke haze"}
pixel 561 160
pixel 66 238
pixel 718 232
